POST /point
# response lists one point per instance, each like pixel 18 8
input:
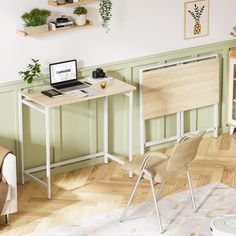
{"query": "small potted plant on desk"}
pixel 36 21
pixel 80 15
pixel 33 71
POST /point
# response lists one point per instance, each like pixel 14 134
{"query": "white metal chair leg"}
pixel 216 122
pixel 155 201
pixel 131 196
pixel 191 191
pixel 159 191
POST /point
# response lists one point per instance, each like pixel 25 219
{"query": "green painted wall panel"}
pixel 8 120
pixel 205 117
pixel 117 118
pixel 78 129
pixel 75 130
pixel 34 138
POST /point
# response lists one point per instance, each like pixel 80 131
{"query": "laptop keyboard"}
pixel 67 85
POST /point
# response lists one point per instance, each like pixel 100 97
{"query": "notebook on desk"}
pixel 63 76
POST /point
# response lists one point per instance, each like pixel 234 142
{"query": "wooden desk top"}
pixel 114 87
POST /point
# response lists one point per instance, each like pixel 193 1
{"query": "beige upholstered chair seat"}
pixel 157 166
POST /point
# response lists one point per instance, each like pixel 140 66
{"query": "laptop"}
pixel 63 76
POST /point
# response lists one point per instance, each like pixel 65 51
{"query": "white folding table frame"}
pixel 22 100
pixel 179 115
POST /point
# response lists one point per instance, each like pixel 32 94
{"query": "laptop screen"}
pixel 63 71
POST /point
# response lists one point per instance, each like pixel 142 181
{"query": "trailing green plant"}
pixel 80 11
pixel 35 17
pixel 105 8
pixel 33 71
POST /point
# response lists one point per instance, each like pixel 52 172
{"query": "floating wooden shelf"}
pixel 82 2
pixel 24 34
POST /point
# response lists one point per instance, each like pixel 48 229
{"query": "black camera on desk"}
pixel 98 73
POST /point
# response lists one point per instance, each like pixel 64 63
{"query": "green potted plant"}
pixel 233 33
pixel 36 21
pixel 33 71
pixel 105 8
pixel 80 15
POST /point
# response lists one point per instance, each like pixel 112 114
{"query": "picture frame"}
pixel 196 19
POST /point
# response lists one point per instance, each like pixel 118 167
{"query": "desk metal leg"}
pixel 182 123
pixel 142 129
pixel 21 137
pixel 105 130
pixel 178 125
pixel 130 129
pixel 48 170
pixel 216 123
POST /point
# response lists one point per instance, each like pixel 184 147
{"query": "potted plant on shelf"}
pixel 36 21
pixel 80 15
pixel 33 71
pixel 105 8
pixel 233 33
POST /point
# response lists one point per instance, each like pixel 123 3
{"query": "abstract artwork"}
pixel 196 19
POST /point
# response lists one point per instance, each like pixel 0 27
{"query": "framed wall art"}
pixel 196 20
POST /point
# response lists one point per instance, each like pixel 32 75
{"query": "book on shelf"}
pixel 57 26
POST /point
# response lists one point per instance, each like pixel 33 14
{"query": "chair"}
pixel 158 168
pixel 9 173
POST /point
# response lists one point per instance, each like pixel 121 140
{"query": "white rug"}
pixel 176 211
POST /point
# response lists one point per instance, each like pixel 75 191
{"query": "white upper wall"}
pixel 138 28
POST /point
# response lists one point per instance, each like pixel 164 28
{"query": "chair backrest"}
pixel 184 152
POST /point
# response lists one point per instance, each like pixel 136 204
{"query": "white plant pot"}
pixel 80 20
pixel 36 29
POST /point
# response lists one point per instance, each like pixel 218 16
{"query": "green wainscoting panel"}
pixel 118 119
pixel 34 134
pixel 8 119
pixel 205 117
pixel 75 130
pixel 78 129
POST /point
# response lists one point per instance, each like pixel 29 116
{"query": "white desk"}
pixel 43 104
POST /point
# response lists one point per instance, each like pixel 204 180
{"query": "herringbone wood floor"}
pixel 102 188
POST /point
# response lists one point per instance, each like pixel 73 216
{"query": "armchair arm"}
pixel 9 169
pixel 148 156
pixel 9 173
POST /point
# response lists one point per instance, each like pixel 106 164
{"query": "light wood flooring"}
pixel 101 188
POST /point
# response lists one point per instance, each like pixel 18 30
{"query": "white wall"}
pixel 138 28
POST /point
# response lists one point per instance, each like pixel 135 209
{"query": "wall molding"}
pixel 126 70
